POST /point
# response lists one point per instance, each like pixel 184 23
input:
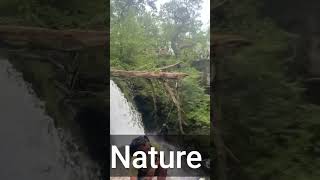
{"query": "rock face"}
pixel 302 18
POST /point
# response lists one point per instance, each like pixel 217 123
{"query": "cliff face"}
pixel 301 18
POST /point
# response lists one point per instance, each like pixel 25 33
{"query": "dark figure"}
pixel 164 130
pixel 142 143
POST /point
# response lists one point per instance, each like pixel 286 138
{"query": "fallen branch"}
pixel 313 80
pixel 169 66
pixel 219 4
pixel 22 36
pixel 62 87
pixel 177 103
pixel 232 155
pixel 228 40
pixel 155 108
pixel 147 74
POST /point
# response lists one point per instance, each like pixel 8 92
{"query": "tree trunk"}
pixel 147 74
pixel 175 99
pixel 221 164
pixel 52 39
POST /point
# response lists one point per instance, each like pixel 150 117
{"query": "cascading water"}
pixel 124 119
pixel 32 148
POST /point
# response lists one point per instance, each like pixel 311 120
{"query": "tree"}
pixel 179 21
pixel 121 8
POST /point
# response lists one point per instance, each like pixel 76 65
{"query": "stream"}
pixel 31 146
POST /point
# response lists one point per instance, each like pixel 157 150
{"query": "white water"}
pixel 124 119
pixel 31 147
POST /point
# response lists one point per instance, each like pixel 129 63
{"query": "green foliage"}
pixel 266 120
pixel 129 45
pixel 56 13
pixel 196 103
pixel 138 36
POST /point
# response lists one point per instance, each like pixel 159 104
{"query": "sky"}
pixel 204 13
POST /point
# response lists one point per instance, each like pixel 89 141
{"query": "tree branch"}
pixel 147 74
pixel 177 103
pixel 169 66
pixel 52 39
pixel 219 4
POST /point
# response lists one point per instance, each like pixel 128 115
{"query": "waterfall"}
pixel 31 146
pixel 124 119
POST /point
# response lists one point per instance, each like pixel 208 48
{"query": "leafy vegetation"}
pixel 54 13
pixel 266 120
pixel 147 39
